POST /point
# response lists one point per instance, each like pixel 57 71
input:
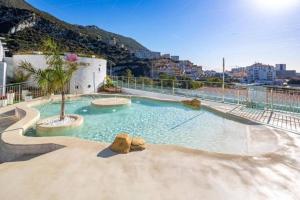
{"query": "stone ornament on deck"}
pixel 123 143
pixel 195 103
pixel 137 144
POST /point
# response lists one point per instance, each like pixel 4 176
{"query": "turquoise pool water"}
pixel 158 122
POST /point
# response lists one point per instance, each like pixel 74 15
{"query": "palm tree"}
pixel 56 76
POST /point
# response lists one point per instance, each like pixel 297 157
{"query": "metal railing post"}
pixel 143 83
pixel 272 99
pixel 289 100
pixel 267 99
pixel 161 85
pixel 223 91
pixel 19 92
pixel 173 87
pixel 122 82
pixel 238 96
pixel 247 96
pixel 117 82
pixel 152 82
pixel 128 82
pixel 134 82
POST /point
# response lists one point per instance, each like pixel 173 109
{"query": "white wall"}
pixel 88 78
pixel 90 75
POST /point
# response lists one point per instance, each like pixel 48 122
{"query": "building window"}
pixel 76 87
pixel 89 86
pixel 99 69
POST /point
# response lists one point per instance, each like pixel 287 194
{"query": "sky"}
pixel 203 31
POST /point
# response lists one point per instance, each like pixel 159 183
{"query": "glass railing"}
pixel 259 97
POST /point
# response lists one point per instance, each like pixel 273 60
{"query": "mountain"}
pixel 24 28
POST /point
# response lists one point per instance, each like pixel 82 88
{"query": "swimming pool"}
pixel 156 121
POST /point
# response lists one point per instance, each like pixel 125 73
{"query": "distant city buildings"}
pixel 165 66
pixel 257 73
pixel 283 73
pixel 175 58
pixel 261 73
pixel 264 74
pixel 176 69
pixel 239 73
pixel 280 67
pixel 194 72
pixel 166 56
pixel 145 54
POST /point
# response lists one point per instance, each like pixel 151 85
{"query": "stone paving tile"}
pixel 288 121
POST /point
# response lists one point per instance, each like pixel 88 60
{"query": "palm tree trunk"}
pixel 62 109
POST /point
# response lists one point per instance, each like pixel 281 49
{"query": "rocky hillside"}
pixel 24 27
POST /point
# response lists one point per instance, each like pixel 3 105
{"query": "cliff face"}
pixel 24 27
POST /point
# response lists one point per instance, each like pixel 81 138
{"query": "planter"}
pixel 110 90
pixel 53 127
pixel 10 98
pixel 28 98
pixel 3 102
pixel 24 94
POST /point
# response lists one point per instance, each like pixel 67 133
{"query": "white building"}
pixel 175 58
pixel 260 73
pixel 113 41
pixel 280 67
pixel 87 79
pixel 210 73
pixel 238 73
pixel 166 56
pixel 283 73
pixel 145 54
pixel 3 67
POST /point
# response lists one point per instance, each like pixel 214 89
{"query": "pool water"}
pixel 156 121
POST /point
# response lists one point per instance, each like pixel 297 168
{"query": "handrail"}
pixel 259 97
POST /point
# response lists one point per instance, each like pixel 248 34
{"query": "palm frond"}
pixel 27 67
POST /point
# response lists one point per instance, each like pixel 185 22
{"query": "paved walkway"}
pixel 7 119
pixel 87 170
pixel 286 121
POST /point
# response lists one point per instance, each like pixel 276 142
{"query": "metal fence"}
pixel 259 97
pixel 18 92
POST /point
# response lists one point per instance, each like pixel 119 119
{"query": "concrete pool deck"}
pixel 88 170
pixel 72 168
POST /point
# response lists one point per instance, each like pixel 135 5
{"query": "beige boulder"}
pixel 121 143
pixel 195 103
pixel 137 144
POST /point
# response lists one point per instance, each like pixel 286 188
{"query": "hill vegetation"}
pixel 25 27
